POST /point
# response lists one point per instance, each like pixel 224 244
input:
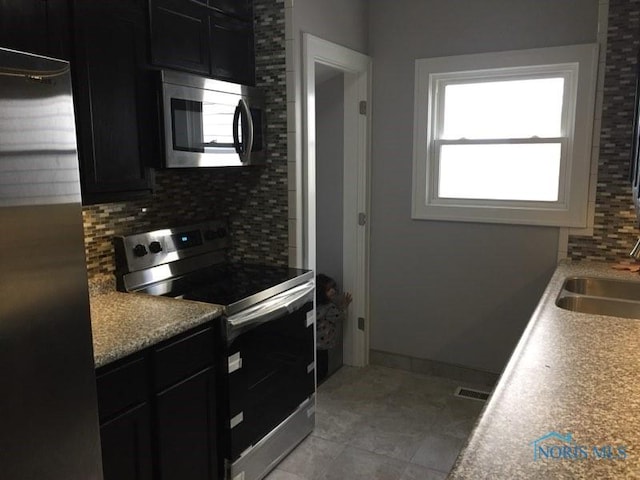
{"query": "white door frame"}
pixel 357 76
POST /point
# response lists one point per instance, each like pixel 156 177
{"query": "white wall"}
pixel 329 175
pixel 459 293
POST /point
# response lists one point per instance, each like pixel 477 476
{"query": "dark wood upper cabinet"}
pixel 239 8
pixel 36 26
pixel 232 52
pixel 114 92
pixel 213 38
pixel 180 35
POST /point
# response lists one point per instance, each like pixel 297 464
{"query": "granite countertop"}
pixel 573 374
pixel 124 323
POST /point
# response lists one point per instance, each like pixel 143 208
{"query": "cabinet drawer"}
pixel 121 388
pixel 183 357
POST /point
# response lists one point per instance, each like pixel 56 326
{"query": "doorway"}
pixel 330 188
pixel 335 192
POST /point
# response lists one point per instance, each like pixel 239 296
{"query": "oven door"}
pixel 208 128
pixel 270 360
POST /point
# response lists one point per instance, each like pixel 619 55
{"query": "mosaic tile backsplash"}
pixel 615 230
pixel 253 200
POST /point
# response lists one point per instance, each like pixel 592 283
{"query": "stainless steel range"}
pixel 266 376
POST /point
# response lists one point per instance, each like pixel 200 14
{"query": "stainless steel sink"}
pixel 600 306
pixel 603 287
pixel 601 296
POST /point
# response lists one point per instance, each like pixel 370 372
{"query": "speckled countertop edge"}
pixel 124 323
pixel 570 373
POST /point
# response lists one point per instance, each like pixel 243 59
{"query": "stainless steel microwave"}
pixel 211 123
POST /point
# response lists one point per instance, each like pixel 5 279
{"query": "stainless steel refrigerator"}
pixel 48 410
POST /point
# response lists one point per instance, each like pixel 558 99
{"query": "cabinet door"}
pixel 180 35
pixel 186 427
pixel 183 356
pixel 126 446
pixel 116 111
pixel 232 51
pixel 35 26
pixel 125 428
pixel 238 8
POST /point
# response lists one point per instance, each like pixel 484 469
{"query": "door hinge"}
pixel 363 107
pixel 361 323
pixel 362 218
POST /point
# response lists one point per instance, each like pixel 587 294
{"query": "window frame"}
pixel 577 64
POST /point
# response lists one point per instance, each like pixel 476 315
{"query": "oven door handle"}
pixel 272 308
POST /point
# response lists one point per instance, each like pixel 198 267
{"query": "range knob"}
pixel 155 247
pixel 139 250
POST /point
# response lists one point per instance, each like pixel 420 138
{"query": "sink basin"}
pixel 601 296
pixel 600 306
pixel 603 287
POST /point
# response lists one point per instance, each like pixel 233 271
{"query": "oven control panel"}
pixel 150 249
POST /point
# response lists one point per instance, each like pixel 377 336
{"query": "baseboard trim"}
pixel 432 367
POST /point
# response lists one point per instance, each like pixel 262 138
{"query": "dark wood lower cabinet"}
pixel 185 421
pixel 126 446
pixel 158 412
pixel 125 419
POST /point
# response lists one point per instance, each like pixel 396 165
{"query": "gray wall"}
pixel 339 21
pixel 459 293
pixel 329 174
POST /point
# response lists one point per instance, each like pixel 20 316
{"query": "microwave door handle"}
pixel 235 126
pixel 248 138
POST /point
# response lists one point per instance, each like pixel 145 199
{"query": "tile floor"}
pixel 378 423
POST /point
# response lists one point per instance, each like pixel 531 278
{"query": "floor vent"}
pixel 472 394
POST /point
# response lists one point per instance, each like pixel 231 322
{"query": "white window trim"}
pixel 577 62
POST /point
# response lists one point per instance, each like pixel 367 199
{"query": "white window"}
pixel 505 137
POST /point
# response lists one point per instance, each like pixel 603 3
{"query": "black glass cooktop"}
pixel 225 284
